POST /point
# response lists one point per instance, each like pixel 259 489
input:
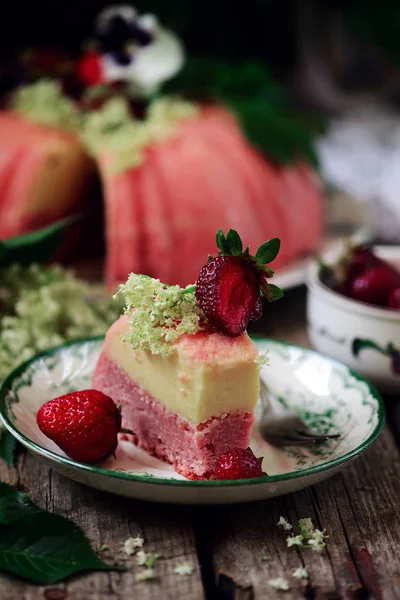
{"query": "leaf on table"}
pixel 37 246
pixel 41 546
pixel 8 446
pixel 14 504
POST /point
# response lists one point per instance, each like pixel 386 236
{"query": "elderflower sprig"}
pixel 159 313
pixel 42 307
pixel 309 537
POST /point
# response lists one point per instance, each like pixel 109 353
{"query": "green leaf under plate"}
pixel 8 446
pixel 14 504
pixel 37 246
pixel 41 546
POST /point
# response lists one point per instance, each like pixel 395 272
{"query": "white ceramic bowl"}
pixel 363 337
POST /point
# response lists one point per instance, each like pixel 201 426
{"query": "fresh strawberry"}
pixel 238 464
pixel 229 287
pixel 394 299
pixel 83 424
pixel 374 285
pixel 89 69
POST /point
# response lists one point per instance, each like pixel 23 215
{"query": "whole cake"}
pixel 180 363
pixel 181 148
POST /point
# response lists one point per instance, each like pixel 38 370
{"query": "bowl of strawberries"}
pixel 353 311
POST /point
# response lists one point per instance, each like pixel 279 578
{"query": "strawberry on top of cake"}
pixel 181 364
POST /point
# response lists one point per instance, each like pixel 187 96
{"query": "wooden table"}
pixel 359 507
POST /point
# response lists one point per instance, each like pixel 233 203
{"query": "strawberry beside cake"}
pixel 180 363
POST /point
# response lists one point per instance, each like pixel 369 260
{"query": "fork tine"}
pixel 317 436
pixel 306 438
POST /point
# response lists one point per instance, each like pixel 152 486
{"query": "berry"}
pixel 227 291
pixel 238 464
pixel 90 69
pixel 374 285
pixel 394 299
pixel 83 424
pixel 229 287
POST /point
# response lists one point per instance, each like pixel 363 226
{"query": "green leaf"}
pixel 275 293
pixel 222 244
pixel 41 546
pixel 268 251
pixel 274 131
pixel 234 242
pixel 37 246
pixel 252 93
pixel 46 548
pixel 14 504
pixel 8 446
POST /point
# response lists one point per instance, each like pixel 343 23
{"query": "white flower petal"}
pixel 148 22
pixel 128 13
pixel 161 60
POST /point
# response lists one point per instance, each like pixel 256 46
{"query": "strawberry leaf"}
pixel 222 243
pixel 8 446
pixel 275 292
pixel 268 251
pixel 41 546
pixel 37 246
pixel 234 242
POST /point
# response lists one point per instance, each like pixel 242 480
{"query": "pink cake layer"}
pixel 191 449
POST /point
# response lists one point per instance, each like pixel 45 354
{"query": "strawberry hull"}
pixel 205 176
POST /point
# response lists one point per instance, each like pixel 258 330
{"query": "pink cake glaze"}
pixel 191 449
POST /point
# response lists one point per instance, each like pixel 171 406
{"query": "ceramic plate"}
pixel 325 394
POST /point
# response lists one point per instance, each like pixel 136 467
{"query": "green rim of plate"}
pixel 150 479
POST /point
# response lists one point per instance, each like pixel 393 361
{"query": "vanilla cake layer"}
pixel 208 375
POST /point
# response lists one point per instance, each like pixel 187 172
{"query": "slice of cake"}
pixel 181 364
pixel 189 408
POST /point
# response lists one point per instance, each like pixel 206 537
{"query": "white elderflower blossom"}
pixel 184 569
pixel 294 540
pixel 145 575
pixel 284 524
pixel 159 314
pixel 279 583
pixel 300 573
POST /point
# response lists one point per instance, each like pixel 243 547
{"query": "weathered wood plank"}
pixel 110 520
pixel 358 507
